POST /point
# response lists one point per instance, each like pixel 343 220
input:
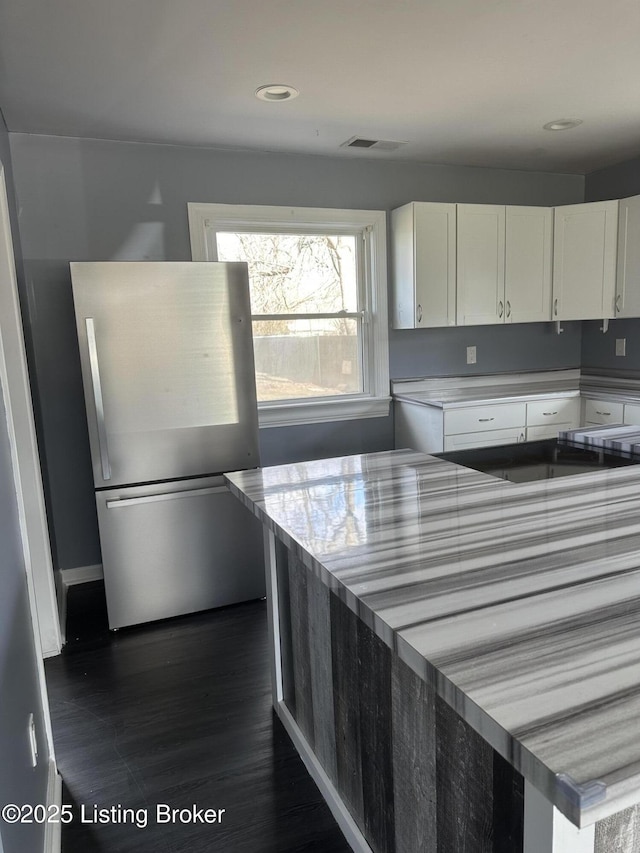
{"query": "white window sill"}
pixel 321 411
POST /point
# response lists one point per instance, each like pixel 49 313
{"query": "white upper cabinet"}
pixel 627 302
pixel 424 265
pixel 481 242
pixel 484 264
pixel 504 264
pixel 584 261
pixel 528 264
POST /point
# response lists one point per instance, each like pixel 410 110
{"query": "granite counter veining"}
pixel 519 603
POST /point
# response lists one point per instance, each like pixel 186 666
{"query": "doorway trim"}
pixel 15 380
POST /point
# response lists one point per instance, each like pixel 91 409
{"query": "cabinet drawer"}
pixel 632 413
pixel 544 412
pixel 602 412
pixel 481 418
pixel 537 433
pixel 463 441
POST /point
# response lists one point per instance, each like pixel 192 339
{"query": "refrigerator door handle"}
pixel 165 496
pixel 97 398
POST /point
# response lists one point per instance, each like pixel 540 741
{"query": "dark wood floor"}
pixel 178 712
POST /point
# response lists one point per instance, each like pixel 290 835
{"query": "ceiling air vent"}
pixel 380 144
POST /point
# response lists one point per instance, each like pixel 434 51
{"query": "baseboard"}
pixel 53 831
pixel 81 574
pixel 54 652
pixel 340 812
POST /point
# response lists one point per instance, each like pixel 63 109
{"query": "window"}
pixel 319 305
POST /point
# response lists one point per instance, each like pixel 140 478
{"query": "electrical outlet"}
pixel 33 740
pixel 471 355
pixel 621 346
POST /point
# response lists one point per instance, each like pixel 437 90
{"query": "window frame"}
pixel 206 219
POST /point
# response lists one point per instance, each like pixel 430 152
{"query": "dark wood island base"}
pixel 413 775
pixel 409 732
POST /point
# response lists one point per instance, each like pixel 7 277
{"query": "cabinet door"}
pixel 495 416
pixel 424 265
pixel 491 438
pixel 528 258
pixel 584 260
pixel 481 235
pixel 628 276
pixel 418 426
pixel 537 433
pixel 632 414
pixel 554 411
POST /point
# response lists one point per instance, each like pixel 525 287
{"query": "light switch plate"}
pixel 471 355
pixel 621 346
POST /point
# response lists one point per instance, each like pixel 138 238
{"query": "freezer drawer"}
pixel 175 548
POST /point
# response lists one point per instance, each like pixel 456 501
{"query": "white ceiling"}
pixel 461 81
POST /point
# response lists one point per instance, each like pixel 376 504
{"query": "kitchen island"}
pixel 456 657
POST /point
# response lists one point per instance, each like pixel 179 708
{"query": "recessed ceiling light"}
pixel 276 92
pixel 563 124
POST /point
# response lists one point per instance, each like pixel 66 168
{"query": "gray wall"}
pixel 617 181
pixel 520 346
pixel 598 350
pixel 19 685
pixel 97 200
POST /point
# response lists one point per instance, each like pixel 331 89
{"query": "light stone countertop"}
pixel 455 399
pixel 436 392
pixel 477 389
pixel 520 603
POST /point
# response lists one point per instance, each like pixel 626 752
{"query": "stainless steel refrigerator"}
pixel 167 364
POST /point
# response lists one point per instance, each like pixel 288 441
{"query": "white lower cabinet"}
pixel 553 411
pixel 496 416
pixel 545 418
pixel 483 426
pixel 632 414
pixel 537 433
pixel 597 412
pixel 434 429
pixel 602 412
pixel 467 440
